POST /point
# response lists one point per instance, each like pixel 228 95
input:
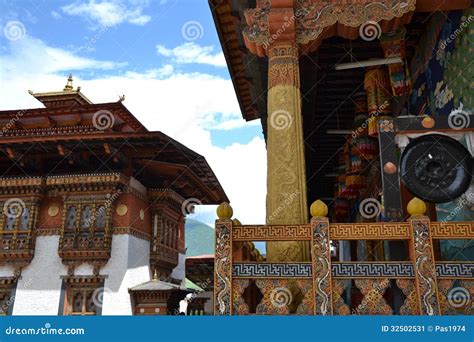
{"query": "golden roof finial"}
pixel 69 84
pixel 155 275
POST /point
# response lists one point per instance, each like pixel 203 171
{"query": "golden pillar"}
pixel 286 176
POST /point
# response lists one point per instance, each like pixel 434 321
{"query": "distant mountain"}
pixel 199 238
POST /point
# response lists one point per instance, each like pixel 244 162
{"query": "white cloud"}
pixel 109 12
pixel 56 15
pixel 235 123
pixel 30 56
pixel 182 105
pixel 190 52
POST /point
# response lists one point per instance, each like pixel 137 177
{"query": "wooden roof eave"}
pixel 157 168
pixel 118 108
pixel 195 161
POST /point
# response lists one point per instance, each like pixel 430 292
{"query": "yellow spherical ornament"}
pixel 318 209
pixel 224 211
pixel 416 206
pixel 236 222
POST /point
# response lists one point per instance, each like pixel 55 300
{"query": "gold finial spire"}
pixel 155 275
pixel 69 83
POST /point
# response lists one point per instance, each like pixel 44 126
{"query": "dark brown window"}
pixel 83 299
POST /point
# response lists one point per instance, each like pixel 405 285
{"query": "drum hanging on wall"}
pixel 436 168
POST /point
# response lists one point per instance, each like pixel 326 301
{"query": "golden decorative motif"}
pixel 21 182
pixel 462 297
pixel 452 230
pixel 319 209
pixel 236 222
pixel 224 211
pixel 339 306
pixel 142 214
pixel 321 252
pixel 416 206
pixel 286 179
pixel 410 305
pixel 342 231
pixel 370 231
pixel 121 209
pixel 223 268
pixel 238 288
pixel 373 302
pixel 425 273
pixel 306 306
pixel 271 233
pixel 312 18
pixel 277 296
pixel 53 210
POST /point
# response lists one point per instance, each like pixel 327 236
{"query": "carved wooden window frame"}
pixel 7 285
pixel 80 204
pixel 89 290
pixel 17 232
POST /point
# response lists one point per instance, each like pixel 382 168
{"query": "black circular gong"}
pixel 436 168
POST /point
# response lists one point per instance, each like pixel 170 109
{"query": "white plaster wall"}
pixel 84 269
pixel 179 272
pixel 39 288
pixel 7 271
pixel 127 267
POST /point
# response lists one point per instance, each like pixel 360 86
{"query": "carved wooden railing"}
pixel 428 288
pixel 79 246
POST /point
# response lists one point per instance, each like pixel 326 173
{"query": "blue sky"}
pixel 164 55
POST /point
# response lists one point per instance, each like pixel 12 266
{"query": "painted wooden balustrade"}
pixel 322 287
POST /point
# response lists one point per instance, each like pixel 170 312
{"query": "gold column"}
pixel 286 176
